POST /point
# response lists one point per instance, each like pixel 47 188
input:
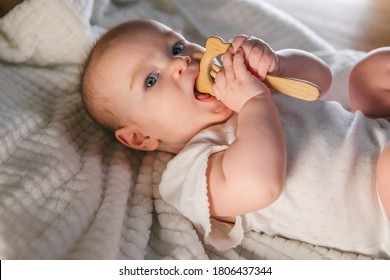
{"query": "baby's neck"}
pixel 176 148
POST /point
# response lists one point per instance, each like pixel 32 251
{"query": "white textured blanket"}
pixel 68 190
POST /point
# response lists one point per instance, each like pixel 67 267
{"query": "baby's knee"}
pixel 383 179
pixel 369 84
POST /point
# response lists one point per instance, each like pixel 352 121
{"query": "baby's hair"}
pixel 99 104
pixel 96 104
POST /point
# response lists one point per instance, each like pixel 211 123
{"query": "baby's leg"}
pixel 383 178
pixel 369 84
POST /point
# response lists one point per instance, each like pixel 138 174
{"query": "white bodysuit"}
pixel 329 199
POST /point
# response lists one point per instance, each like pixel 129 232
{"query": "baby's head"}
pixel 138 82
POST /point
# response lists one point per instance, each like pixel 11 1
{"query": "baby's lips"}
pixel 203 97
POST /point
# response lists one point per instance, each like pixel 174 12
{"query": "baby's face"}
pixel 151 76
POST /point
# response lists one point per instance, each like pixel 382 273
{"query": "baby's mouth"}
pixel 203 97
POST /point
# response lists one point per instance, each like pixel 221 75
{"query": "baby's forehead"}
pixel 128 43
pixel 148 27
pixel 150 32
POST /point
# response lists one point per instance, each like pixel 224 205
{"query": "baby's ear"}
pixel 132 138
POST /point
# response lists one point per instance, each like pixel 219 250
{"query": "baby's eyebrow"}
pixel 174 34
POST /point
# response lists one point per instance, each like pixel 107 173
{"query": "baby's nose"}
pixel 180 65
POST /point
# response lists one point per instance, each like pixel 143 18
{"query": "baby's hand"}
pixel 259 57
pixel 234 84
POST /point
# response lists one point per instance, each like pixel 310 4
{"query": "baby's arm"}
pixel 369 84
pixel 250 174
pixel 262 60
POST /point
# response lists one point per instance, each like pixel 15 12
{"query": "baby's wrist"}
pixel 261 96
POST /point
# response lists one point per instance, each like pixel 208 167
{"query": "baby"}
pixel 249 159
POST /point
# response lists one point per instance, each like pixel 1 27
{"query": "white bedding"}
pixel 68 190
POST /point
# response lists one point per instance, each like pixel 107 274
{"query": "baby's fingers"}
pixel 228 65
pixel 239 66
pixel 216 91
pixel 267 63
pixel 238 41
pixel 220 78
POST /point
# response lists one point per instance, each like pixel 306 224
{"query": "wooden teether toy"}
pixel 208 69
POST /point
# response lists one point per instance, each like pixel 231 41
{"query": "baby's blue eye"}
pixel 178 48
pixel 151 80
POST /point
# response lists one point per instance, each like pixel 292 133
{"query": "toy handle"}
pixel 294 87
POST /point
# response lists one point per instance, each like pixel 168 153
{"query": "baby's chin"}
pixel 220 107
pixel 221 111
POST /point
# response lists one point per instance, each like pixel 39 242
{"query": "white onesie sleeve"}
pixel 184 186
